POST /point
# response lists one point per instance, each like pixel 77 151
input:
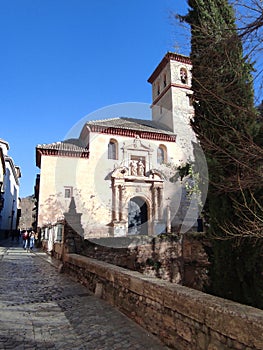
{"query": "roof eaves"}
pixel 169 56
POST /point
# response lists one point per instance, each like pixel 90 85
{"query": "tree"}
pixel 229 129
pixel 249 14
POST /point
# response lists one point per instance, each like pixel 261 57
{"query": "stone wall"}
pixel 181 260
pixel 166 256
pixel 183 318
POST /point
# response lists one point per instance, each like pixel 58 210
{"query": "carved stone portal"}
pixel 137 201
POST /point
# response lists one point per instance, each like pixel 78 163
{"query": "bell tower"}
pixel 172 98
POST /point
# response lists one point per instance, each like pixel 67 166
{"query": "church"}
pixel 120 173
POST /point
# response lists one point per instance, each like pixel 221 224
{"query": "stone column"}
pixel 114 202
pixel 120 203
pixel 160 203
pixel 155 203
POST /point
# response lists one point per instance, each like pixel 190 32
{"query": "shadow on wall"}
pixel 8 214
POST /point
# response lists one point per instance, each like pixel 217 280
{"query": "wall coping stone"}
pixel 237 321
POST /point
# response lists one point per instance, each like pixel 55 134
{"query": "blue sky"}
pixel 64 59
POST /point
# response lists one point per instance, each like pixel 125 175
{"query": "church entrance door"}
pixel 137 216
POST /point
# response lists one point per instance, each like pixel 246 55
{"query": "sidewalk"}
pixel 50 311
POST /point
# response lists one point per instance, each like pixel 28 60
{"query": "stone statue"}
pixel 140 168
pixel 133 165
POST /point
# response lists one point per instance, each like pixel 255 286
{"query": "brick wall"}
pixel 183 318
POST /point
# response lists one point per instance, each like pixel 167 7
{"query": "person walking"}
pixel 28 241
pixel 25 237
pixel 32 240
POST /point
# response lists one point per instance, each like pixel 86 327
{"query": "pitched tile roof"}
pixel 66 145
pixel 144 128
pixel 69 148
pixel 132 124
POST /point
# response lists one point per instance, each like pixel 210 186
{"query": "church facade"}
pixel 121 172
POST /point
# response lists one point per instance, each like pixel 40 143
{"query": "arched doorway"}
pixel 137 216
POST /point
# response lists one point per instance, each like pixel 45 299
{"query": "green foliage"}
pixel 155 264
pixel 193 186
pixel 183 170
pixel 236 271
pixel 227 126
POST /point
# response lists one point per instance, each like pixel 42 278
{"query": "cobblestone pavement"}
pixel 43 309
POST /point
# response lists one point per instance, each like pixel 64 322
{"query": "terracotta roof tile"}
pixel 67 145
pixel 132 124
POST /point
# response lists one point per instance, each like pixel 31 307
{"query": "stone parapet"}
pixel 183 318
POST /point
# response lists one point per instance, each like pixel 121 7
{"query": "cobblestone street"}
pixel 51 311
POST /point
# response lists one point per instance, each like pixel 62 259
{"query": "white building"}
pixel 119 170
pixel 2 174
pixel 9 214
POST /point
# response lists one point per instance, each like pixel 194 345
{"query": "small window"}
pixel 191 99
pixel 161 154
pixel 113 149
pixel 164 81
pixel 183 75
pixel 158 89
pixel 68 192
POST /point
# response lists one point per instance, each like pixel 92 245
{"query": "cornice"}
pixel 13 167
pixel 2 160
pixel 59 153
pixel 181 86
pixel 170 56
pixel 133 133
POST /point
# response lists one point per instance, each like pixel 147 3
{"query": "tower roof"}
pixel 168 57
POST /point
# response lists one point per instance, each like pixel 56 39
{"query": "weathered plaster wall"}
pixel 90 181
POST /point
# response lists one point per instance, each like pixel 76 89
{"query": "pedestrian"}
pixel 36 239
pixel 32 240
pixel 28 241
pixel 25 237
